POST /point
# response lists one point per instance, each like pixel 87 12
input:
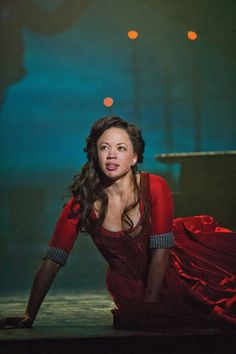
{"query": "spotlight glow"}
pixel 192 36
pixel 108 101
pixel 133 34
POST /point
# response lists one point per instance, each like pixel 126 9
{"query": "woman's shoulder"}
pixel 157 183
pixel 71 206
pixel 155 179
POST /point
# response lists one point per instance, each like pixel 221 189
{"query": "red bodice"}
pixel 127 253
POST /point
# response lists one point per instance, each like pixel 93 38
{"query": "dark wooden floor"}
pixel 82 324
pixel 121 342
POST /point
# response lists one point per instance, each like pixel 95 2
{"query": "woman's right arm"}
pixel 62 241
pixel 41 284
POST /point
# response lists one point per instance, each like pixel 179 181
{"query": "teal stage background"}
pixel 58 61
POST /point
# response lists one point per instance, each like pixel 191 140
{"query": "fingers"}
pixel 25 323
pixel 15 322
pixel 9 322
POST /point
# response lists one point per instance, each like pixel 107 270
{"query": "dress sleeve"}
pixel 64 235
pixel 161 213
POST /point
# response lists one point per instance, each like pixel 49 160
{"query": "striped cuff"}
pixel 56 255
pixel 165 240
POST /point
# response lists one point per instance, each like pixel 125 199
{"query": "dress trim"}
pixel 56 255
pixel 165 240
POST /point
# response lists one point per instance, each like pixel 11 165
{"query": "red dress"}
pixel 200 283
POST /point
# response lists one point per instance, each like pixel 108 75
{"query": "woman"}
pixel 129 217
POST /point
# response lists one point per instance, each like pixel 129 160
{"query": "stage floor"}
pixel 82 324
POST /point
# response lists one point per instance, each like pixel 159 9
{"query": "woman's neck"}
pixel 120 187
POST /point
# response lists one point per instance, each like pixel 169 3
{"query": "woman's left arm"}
pixel 161 238
pixel 156 273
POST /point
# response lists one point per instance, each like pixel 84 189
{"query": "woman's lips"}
pixel 111 166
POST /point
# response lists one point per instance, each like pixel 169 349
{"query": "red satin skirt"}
pixel 199 288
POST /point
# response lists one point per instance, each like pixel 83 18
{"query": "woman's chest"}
pixel 120 216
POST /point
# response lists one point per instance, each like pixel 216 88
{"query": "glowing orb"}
pixel 108 101
pixel 133 34
pixel 192 36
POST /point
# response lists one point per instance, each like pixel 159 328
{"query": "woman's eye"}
pixel 122 148
pixel 104 147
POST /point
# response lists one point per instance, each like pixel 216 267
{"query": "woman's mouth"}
pixel 111 166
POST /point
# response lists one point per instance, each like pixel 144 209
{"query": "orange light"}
pixel 192 36
pixel 133 34
pixel 108 101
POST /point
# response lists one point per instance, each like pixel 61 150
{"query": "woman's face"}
pixel 115 153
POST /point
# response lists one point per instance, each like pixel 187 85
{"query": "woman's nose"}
pixel 111 154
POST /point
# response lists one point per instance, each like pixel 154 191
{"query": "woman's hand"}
pixel 40 287
pixel 16 322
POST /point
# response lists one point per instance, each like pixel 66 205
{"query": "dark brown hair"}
pixel 87 186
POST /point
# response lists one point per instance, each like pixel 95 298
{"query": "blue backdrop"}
pixel 59 61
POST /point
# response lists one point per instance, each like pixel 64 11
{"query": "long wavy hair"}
pixel 87 186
